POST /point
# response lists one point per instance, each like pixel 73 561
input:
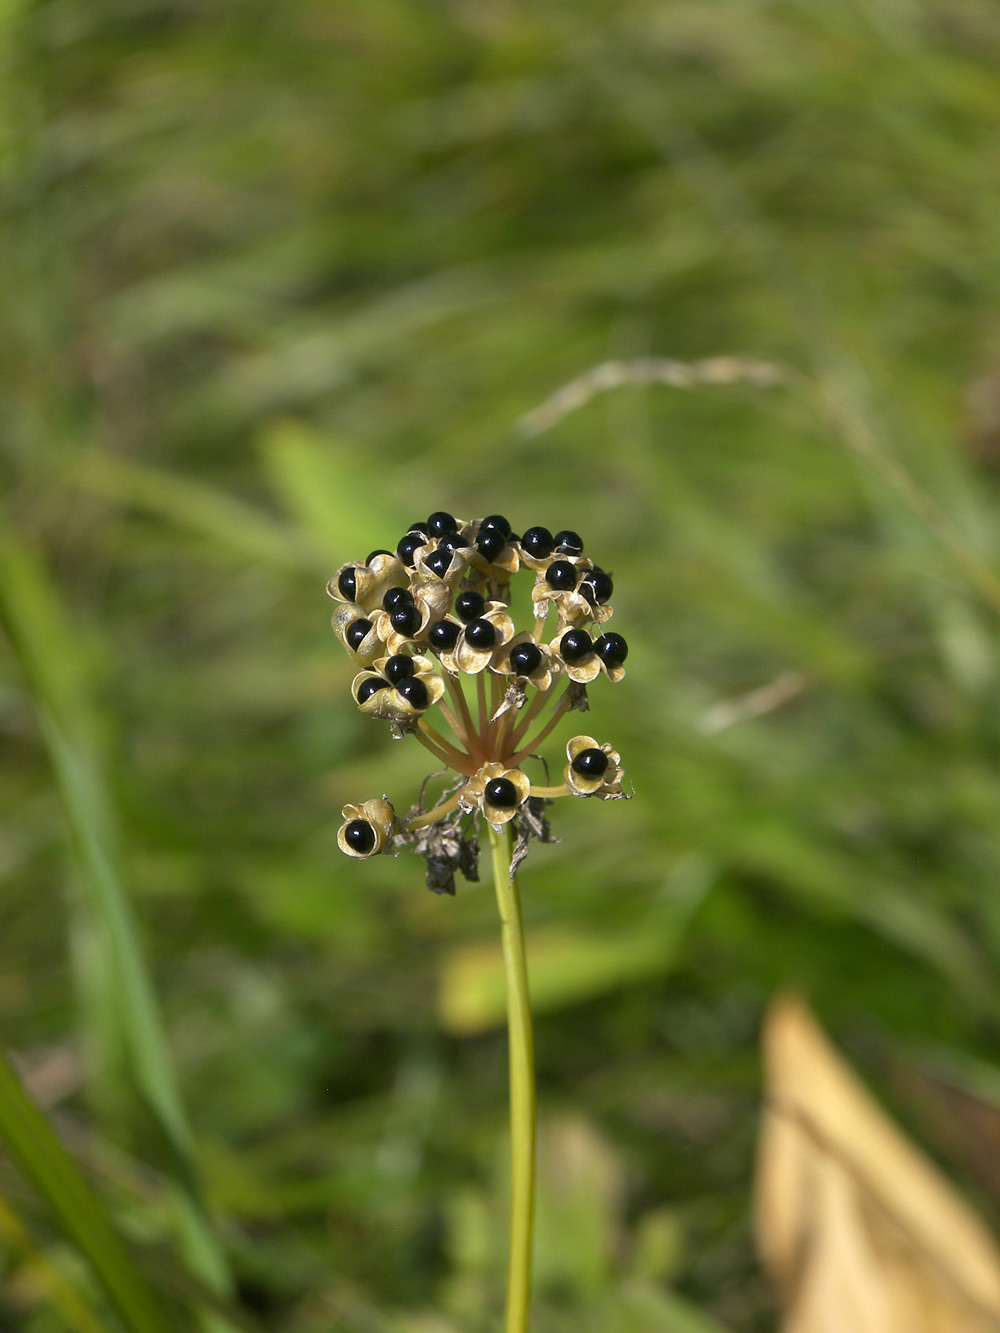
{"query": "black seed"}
pixel 495 523
pixel 597 586
pixel 443 634
pixel 469 606
pixel 396 597
pixel 348 584
pixel 360 836
pixel 414 691
pixel 561 575
pixel 369 686
pixel 405 619
pixel 514 537
pixel 611 649
pixel 568 542
pixel 489 544
pixel 537 542
pixel 501 792
pixel 408 545
pixel 439 562
pixel 575 645
pixel 373 554
pixel 356 633
pixel 481 634
pixel 591 763
pixel 398 668
pixel 419 527
pixel 453 542
pixel 441 523
pixel 526 658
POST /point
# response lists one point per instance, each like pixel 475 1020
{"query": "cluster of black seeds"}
pixel 447 583
pixel 436 608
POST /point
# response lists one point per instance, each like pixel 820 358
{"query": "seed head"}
pixel 430 626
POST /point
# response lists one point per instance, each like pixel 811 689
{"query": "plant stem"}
pixel 522 1083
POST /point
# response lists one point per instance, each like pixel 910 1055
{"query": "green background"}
pixel 280 279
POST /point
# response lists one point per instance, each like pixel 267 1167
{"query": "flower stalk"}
pixel 522 1083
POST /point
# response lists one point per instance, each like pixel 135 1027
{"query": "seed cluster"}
pixel 429 625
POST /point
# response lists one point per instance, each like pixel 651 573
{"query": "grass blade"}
pixel 35 1148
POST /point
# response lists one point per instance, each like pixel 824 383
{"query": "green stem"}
pixel 522 1083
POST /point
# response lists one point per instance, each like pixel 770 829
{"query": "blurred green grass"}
pixel 281 280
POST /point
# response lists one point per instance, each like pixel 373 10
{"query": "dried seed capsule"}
pixel 398 668
pixel 538 543
pixel 561 575
pixel 575 645
pixel 356 633
pixel 501 793
pixel 369 686
pixel 611 649
pixel 414 691
pixel 568 542
pixel 469 606
pixel 526 658
pixel 481 634
pixel 360 836
pixel 443 634
pixel 591 763
pixel 372 554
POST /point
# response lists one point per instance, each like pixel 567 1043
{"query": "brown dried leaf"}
pixel 860 1232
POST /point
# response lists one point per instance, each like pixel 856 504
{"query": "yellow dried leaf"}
pixel 861 1233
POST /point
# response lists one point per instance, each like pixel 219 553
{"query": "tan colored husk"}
pixel 610 781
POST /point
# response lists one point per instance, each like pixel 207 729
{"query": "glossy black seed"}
pixel 481 634
pixel 597 586
pixel 441 523
pixel 453 542
pixel 443 634
pixel 419 527
pixel 537 542
pixel 396 597
pixel 469 606
pixel 526 658
pixel 356 633
pixel 495 523
pixel 490 544
pixel 414 691
pixel 575 645
pixel 348 584
pixel 398 668
pixel 591 763
pixel 369 686
pixel 611 649
pixel 405 619
pixel 360 836
pixel 439 562
pixel 373 554
pixel 561 575
pixel 408 545
pixel 568 542
pixel 501 792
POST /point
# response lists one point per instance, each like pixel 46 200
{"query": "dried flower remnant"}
pixel 430 627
